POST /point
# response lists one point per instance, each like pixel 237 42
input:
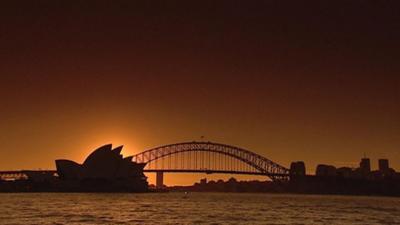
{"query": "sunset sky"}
pixel 318 82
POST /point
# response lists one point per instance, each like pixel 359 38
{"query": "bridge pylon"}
pixel 160 180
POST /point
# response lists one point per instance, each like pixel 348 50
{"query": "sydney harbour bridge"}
pixel 208 157
pixel 197 157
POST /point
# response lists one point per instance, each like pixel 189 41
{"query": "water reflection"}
pixel 196 208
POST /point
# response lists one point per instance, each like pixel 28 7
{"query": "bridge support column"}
pixel 159 180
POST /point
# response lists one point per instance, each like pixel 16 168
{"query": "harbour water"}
pixel 196 208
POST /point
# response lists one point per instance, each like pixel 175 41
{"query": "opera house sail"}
pixel 105 169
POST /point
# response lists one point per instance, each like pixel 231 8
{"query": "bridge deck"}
pixel 212 171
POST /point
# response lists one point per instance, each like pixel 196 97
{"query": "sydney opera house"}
pixel 105 169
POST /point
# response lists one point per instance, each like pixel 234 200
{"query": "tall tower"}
pixel 365 165
pixel 383 165
pixel 297 168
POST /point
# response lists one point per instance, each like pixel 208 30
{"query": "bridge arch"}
pixel 259 165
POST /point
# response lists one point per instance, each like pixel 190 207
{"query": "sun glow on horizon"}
pixel 129 146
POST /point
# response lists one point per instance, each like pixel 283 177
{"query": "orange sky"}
pixel 318 83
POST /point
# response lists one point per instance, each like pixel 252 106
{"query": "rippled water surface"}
pixel 196 208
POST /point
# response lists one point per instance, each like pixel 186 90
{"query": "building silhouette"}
pixel 297 169
pixel 383 165
pixel 365 165
pixel 105 169
pixel 326 170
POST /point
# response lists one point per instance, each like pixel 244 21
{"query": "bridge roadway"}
pixel 208 172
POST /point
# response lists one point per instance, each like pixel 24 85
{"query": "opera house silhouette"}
pixel 105 169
